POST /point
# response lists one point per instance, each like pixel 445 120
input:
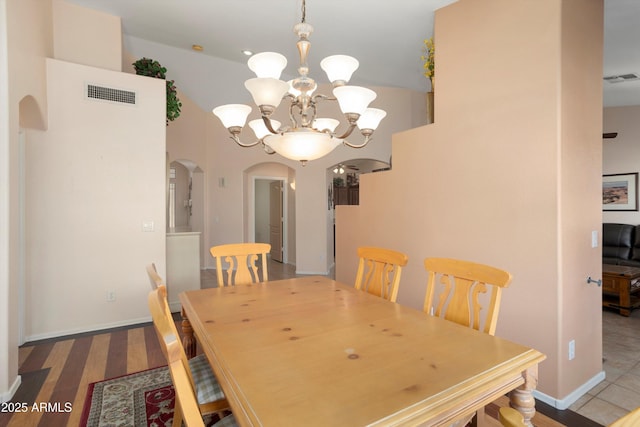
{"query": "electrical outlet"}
pixel 111 296
pixel 572 349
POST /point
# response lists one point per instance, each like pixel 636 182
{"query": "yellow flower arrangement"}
pixel 428 58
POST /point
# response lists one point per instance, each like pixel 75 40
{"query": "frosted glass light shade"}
pixel 353 99
pixel 267 64
pixel 302 145
pixel 260 129
pixel 371 118
pixel 267 91
pixel 339 67
pixel 232 114
pixel 323 123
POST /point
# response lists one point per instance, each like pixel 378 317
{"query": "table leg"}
pixel 188 341
pixel 625 297
pixel 522 397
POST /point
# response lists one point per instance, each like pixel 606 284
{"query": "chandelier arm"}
pixel 346 134
pixel 242 144
pixel 268 149
pixel 307 122
pixel 292 117
pixel 267 123
pixel 366 141
pixel 323 97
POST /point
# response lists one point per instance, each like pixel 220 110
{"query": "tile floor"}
pixel 619 393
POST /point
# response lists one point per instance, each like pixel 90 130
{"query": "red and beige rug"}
pixel 141 399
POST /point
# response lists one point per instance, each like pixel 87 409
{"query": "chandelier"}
pixel 307 137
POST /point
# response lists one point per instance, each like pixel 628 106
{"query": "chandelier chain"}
pixel 304 11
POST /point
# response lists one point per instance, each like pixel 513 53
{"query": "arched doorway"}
pixel 269 189
pixel 30 117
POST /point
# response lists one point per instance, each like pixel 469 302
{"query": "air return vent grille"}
pixel 110 94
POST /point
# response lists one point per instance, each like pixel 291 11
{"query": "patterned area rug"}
pixel 142 399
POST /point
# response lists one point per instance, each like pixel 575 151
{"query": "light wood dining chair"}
pixel 462 283
pixel 632 419
pixel 241 259
pixel 379 271
pixel 154 278
pixel 509 417
pixel 203 382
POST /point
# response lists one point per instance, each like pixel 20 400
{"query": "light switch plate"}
pixel 594 239
pixel 147 226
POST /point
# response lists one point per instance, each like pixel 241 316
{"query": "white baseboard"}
pixel 8 395
pixel 571 397
pixel 92 328
pixel 313 273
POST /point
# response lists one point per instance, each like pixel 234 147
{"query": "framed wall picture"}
pixel 620 192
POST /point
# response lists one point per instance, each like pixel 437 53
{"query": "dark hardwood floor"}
pixel 60 370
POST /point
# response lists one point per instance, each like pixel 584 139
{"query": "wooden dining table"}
pixel 311 351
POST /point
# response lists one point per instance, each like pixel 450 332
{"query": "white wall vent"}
pixel 110 94
pixel 622 78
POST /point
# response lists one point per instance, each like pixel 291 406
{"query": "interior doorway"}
pixel 269 208
pixel 276 218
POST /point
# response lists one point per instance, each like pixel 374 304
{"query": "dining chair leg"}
pixel 479 419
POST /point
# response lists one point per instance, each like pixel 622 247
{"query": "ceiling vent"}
pixel 622 78
pixel 110 94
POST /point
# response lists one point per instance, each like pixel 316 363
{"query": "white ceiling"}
pixel 385 36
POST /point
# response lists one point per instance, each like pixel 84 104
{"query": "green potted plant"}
pixel 149 67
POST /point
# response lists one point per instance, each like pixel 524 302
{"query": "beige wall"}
pixel 76 205
pixel 74 36
pixel 507 175
pixel 27 34
pixel 92 180
pixel 622 154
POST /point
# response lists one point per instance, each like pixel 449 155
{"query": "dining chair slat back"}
pixel 379 271
pixel 240 263
pixel 461 284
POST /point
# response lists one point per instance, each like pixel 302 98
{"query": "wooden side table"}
pixel 621 288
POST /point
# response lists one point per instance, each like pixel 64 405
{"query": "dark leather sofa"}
pixel 621 244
